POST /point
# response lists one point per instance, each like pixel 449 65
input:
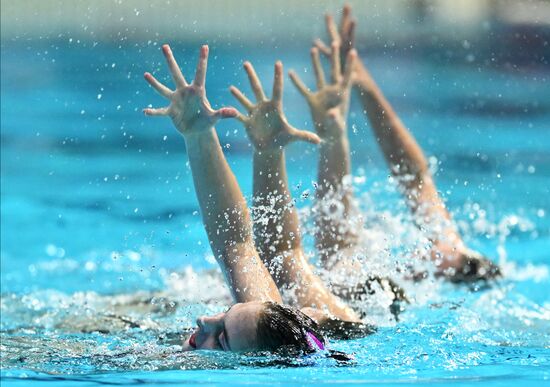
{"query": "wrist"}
pixel 335 140
pixel 268 157
pixel 331 131
pixel 268 149
pixel 198 137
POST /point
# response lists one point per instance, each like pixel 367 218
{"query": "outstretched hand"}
pixel 329 104
pixel 344 37
pixel 266 124
pixel 189 109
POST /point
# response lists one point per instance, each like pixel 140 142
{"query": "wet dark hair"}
pixel 282 327
pixel 476 267
pixel 287 330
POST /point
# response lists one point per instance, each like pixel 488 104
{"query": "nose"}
pixel 200 324
pixel 210 323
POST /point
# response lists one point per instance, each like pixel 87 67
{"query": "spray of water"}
pixel 84 332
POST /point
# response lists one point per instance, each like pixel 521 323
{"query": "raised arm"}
pixel 276 224
pixel 410 167
pixel 223 207
pixel 329 108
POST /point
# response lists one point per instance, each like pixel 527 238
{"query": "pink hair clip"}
pixel 314 343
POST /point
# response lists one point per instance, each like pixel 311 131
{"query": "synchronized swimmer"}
pixel 260 259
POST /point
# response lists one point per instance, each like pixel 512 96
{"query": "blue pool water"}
pixel 99 218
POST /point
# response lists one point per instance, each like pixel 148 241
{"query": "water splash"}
pixel 443 326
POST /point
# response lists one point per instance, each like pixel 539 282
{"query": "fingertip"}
pixel 315 139
pixel 166 48
pixel 347 9
pixel 146 75
pixel 246 64
pixel 304 135
pixel 314 51
pixel 228 112
pixel 279 66
pixel 204 50
pixel 235 91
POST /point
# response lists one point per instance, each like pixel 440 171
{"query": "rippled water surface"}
pixel 105 262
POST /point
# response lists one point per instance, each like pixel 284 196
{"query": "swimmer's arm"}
pixel 223 207
pixel 404 156
pixel 401 151
pixel 329 108
pixel 276 227
pixel 276 223
pixel 227 220
pixel 399 147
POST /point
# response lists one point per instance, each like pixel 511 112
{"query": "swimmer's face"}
pixel 233 330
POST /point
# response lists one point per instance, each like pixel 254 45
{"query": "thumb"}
pixel 304 135
pixel 226 112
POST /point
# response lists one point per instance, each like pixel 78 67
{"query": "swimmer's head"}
pixel 256 326
pixel 474 267
pixel 282 326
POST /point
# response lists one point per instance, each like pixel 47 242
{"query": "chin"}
pixel 186 346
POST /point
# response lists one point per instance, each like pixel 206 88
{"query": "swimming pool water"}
pixel 99 218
